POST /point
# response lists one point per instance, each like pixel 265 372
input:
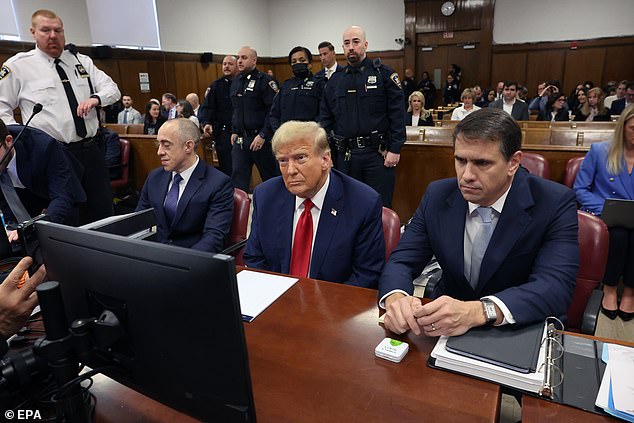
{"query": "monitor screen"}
pixel 183 341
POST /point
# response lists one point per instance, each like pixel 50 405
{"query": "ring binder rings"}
pixel 568 368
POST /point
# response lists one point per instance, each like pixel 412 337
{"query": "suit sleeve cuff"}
pixel 508 317
pixel 383 298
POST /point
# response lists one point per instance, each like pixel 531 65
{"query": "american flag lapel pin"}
pixel 333 212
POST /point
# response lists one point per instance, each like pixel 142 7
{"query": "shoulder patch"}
pixel 274 86
pixel 394 78
pixel 4 71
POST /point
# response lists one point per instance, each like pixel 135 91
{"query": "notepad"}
pixel 258 290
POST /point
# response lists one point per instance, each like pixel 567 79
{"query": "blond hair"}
pixel 424 113
pixel 294 130
pixel 615 149
pixel 45 13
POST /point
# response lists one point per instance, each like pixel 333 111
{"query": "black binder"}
pixel 507 346
pixel 569 374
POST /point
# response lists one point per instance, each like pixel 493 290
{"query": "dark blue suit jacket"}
pixel 46 172
pixel 321 74
pixel 532 259
pixel 617 106
pixel 204 213
pixel 349 245
pixel 594 183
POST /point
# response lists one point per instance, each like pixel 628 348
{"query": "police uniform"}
pixel 30 78
pixel 251 96
pixel 363 106
pixel 217 110
pixel 298 99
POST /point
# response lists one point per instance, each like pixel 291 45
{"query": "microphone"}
pixel 36 109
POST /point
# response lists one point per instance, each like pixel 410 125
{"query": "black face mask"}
pixel 300 70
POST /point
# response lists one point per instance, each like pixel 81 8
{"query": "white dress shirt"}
pixel 331 70
pixel 460 113
pixel 186 175
pixel 508 107
pixel 31 78
pixel 318 201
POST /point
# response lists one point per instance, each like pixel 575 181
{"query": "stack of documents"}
pixel 259 290
pixel 519 371
pixel 616 394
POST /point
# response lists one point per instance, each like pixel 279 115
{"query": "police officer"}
pixel 300 95
pixel 216 112
pixel 364 107
pixel 252 94
pixel 70 87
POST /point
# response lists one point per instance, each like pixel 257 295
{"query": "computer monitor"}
pixel 183 341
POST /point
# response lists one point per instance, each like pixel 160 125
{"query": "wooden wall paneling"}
pixel 618 63
pixel 583 65
pixel 207 73
pixel 486 42
pixel 468 60
pixel 543 66
pixel 409 51
pixel 130 70
pixel 509 66
pixel 186 78
pixel 170 77
pixel 158 78
pixel 430 19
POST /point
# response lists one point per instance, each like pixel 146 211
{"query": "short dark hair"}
pixel 170 97
pixel 492 125
pixel 3 131
pixel 309 55
pixel 326 44
pixel 509 83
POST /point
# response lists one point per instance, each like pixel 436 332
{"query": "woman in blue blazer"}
pixel 606 172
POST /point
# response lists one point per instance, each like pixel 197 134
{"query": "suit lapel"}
pixel 328 220
pixel 190 189
pixel 510 227
pixel 284 223
pixel 625 181
pixel 161 192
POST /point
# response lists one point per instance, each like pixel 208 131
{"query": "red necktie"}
pixel 302 245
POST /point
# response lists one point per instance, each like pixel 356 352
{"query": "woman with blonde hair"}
pixel 467 98
pixel 606 172
pixel 417 115
pixel 593 110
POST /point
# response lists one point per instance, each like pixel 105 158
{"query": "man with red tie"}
pixel 314 221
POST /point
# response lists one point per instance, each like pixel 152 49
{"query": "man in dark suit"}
pixel 41 175
pixel 192 201
pixel 510 103
pixel 328 59
pixel 314 221
pixel 506 240
pixel 619 105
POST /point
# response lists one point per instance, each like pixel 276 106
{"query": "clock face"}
pixel 448 8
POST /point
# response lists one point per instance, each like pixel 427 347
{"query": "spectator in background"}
pixel 153 118
pixel 606 163
pixel 490 98
pixel 409 84
pixel 619 94
pixel 581 100
pixel 416 114
pixel 619 105
pixel 522 93
pixel 427 87
pixel 499 90
pixel 129 115
pixel 457 74
pixel 185 110
pixel 573 98
pixel 539 102
pixel 593 109
pixel 192 98
pixel 168 101
pixel 477 92
pixel 467 107
pixel 509 102
pixel 451 93
pixel 555 110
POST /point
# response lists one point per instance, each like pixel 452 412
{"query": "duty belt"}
pixel 358 143
pixel 85 143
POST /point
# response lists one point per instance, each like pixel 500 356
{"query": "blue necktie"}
pixel 171 199
pixel 125 116
pixel 480 243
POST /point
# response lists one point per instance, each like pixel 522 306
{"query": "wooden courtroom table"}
pixel 311 355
